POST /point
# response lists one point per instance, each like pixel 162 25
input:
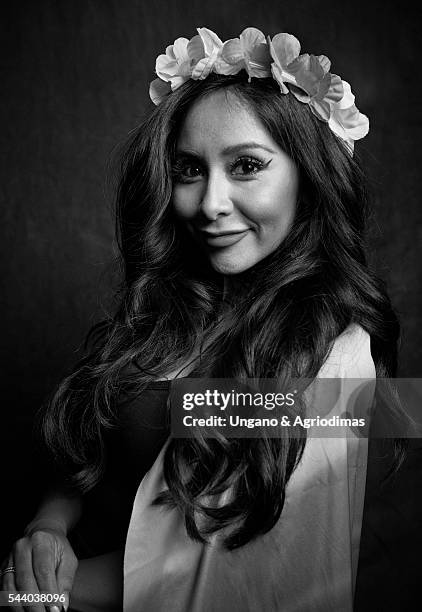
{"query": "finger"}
pixel 8 580
pixel 24 577
pixel 66 574
pixel 8 562
pixel 44 561
pixel 45 556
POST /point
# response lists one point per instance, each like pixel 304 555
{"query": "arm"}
pixel 95 584
pixel 43 558
pixel 58 511
pixel 99 584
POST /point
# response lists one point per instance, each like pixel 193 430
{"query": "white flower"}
pixel 208 46
pixel 315 85
pixel 284 49
pixel 175 66
pixel 249 52
pixel 345 119
pixel 183 60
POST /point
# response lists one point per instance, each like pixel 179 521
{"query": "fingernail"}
pixel 66 603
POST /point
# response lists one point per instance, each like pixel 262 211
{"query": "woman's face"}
pixel 234 188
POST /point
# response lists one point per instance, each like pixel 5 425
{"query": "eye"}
pixel 185 171
pixel 245 166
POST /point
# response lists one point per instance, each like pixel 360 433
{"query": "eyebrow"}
pixel 246 145
pixel 235 148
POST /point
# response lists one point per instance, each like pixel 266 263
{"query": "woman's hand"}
pixel 44 561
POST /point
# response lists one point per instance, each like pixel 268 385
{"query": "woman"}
pixel 241 215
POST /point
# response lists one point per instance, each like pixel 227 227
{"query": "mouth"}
pixel 222 239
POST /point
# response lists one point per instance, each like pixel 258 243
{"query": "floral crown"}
pixel 306 76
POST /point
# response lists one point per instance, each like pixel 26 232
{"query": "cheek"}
pixel 273 207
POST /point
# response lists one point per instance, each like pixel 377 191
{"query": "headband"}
pixel 305 76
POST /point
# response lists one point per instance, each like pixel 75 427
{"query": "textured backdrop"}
pixel 75 83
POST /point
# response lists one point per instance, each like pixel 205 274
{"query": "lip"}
pixel 222 239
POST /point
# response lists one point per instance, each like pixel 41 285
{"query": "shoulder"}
pixel 350 356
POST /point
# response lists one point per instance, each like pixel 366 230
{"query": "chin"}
pixel 230 266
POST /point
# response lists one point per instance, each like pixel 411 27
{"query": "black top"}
pixel 132 446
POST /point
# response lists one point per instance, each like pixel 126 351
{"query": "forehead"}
pixel 221 120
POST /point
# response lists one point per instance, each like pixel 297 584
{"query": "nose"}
pixel 216 198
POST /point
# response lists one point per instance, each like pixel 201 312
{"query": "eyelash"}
pixel 180 166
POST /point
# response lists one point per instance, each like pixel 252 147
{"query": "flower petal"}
pixel 348 98
pixel 203 68
pixel 158 90
pixel 211 41
pixel 348 117
pixel 251 37
pixel 180 49
pixel 222 67
pixel 257 70
pixel 277 73
pixel 323 87
pixel 232 51
pixel 164 64
pixel 195 48
pixel 299 64
pixel 335 126
pixel 308 74
pixel 169 72
pixel 170 52
pixel 349 123
pixel 286 48
pixel 324 63
pixel 177 81
pixel 299 94
pixel 336 90
pixel 320 108
pixel 260 59
pixel 360 129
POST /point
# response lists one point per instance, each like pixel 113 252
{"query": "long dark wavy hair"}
pixel 292 306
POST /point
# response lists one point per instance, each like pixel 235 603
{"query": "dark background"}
pixel 75 82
